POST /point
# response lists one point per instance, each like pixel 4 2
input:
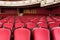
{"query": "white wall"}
pixel 49 1
pixel 57 0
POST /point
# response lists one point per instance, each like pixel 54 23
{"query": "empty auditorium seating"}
pixel 25 20
pixel 31 25
pixel 56 33
pixel 53 24
pixel 8 25
pixel 4 20
pixel 35 20
pixel 42 19
pixel 41 34
pixel 17 20
pixel 11 20
pixel 42 24
pixel 1 24
pixel 19 24
pixel 58 20
pixel 29 22
pixel 21 34
pixel 5 34
pixel 49 19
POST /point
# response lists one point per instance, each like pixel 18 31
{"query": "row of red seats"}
pixel 6 21
pixel 40 22
pixel 2 21
pixel 31 22
pixel 52 22
pixel 24 34
pixel 17 22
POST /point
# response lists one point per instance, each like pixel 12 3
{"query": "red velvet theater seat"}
pixel 42 19
pixel 3 20
pixel 42 24
pixel 8 25
pixel 5 34
pixel 58 20
pixel 41 34
pixel 21 34
pixel 31 25
pixel 11 21
pixel 25 20
pixel 1 24
pixel 53 24
pixel 49 19
pixel 17 20
pixel 35 20
pixel 56 33
pixel 19 24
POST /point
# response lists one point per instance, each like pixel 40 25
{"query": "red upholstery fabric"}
pixel 31 25
pixel 17 20
pixel 58 20
pixel 41 34
pixel 25 20
pixel 42 24
pixel 56 33
pixel 1 24
pixel 19 24
pixel 50 19
pixel 53 24
pixel 4 19
pixel 42 19
pixel 8 25
pixel 35 20
pixel 11 20
pixel 5 34
pixel 21 34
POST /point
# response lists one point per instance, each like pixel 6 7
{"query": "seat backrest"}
pixel 41 34
pixel 8 25
pixel 5 34
pixel 31 25
pixel 19 24
pixel 21 34
pixel 56 33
